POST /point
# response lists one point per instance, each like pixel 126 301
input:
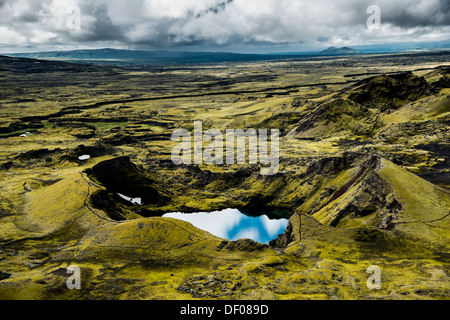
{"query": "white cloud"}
pixel 12 37
pixel 219 22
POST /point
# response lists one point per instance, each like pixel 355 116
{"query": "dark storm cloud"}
pixel 24 14
pixel 215 9
pixel 415 14
pixel 162 23
pixel 102 27
pixel 29 17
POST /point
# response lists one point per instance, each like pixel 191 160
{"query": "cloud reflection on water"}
pixel 231 224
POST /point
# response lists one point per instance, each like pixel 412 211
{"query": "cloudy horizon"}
pixel 217 25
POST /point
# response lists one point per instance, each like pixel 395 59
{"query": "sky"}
pixel 218 25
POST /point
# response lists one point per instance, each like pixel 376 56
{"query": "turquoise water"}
pixel 233 225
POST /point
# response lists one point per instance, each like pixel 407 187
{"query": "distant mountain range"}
pixel 166 57
pixel 137 57
pixel 333 51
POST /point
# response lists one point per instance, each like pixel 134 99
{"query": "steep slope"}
pixel 425 208
pixel 334 118
pixel 120 175
pixel 372 104
pixel 375 193
pixel 389 91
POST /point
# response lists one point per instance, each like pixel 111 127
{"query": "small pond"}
pixel 233 225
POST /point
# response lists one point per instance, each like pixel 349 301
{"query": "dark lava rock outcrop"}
pixel 390 91
pixel 334 117
pixel 120 175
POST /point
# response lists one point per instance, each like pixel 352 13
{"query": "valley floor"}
pixel 364 178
